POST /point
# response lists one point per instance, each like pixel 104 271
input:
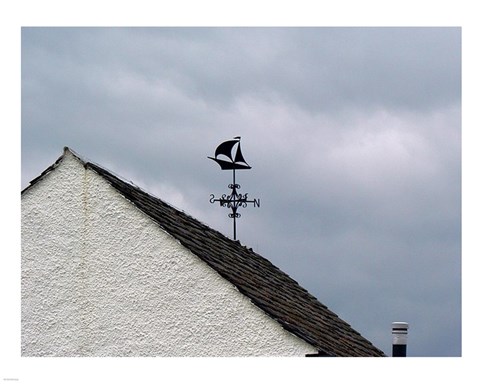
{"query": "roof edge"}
pixel 48 170
pixel 74 154
pixel 67 151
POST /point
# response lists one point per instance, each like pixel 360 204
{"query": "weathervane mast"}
pixel 229 156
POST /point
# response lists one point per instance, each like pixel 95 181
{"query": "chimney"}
pixel 399 333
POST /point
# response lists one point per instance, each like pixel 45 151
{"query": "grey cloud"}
pixel 353 135
pixel 318 68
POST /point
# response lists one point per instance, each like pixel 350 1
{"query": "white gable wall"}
pixel 100 278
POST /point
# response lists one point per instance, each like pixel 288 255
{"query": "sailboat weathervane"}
pixel 229 156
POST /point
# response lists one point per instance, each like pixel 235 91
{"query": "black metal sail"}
pixel 232 152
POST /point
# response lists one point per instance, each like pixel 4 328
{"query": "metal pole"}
pixel 234 228
pixel 235 209
pixel 399 344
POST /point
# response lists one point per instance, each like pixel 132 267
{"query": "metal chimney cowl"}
pixel 399 342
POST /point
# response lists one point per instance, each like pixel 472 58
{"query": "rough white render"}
pixel 100 278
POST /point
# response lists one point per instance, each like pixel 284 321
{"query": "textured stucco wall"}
pixel 99 278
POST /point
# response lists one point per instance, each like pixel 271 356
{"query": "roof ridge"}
pixel 101 170
pixel 89 163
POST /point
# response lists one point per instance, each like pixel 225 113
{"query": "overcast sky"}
pixel 353 135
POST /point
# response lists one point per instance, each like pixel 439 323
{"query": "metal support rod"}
pixel 234 192
pixel 233 215
pixel 234 228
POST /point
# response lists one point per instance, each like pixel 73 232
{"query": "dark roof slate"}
pixel 270 289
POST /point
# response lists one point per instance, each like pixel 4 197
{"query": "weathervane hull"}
pixel 227 165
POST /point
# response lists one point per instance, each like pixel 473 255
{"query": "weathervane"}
pixel 231 158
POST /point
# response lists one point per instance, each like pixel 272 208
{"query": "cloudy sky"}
pixel 353 135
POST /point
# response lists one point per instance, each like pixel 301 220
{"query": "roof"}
pixel 270 289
